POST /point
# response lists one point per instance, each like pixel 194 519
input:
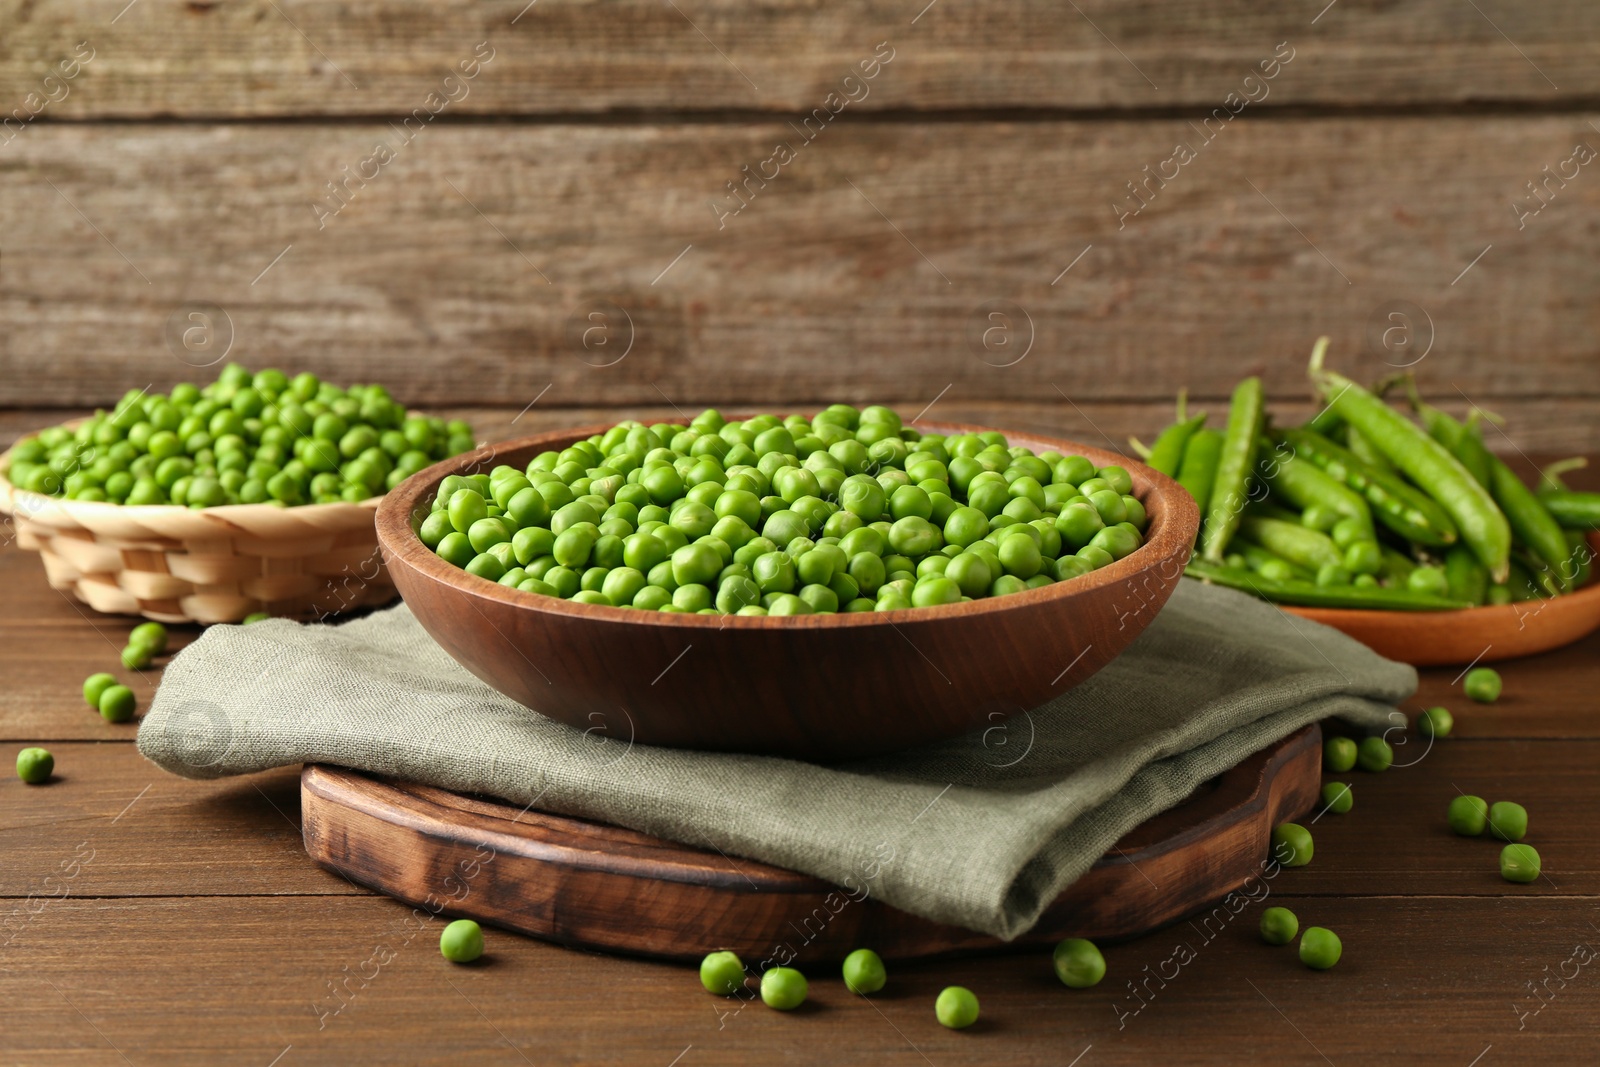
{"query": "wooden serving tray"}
pixel 585 883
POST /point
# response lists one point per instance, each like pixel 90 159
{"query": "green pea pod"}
pixel 1531 522
pixel 1234 466
pixel 1400 507
pixel 1166 455
pixel 1541 577
pixel 1326 422
pixel 1397 565
pixel 1455 436
pixel 1305 485
pixel 1257 556
pixel 1362 449
pixel 1425 461
pixel 1580 564
pixel 1467 578
pixel 1298 544
pixel 1550 478
pixel 1310 594
pixel 1199 467
pixel 1522 585
pixel 1573 510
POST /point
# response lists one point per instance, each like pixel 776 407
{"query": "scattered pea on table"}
pixel 1338 754
pixel 1519 863
pixel 1374 754
pixel 1278 926
pixel 1320 948
pixel 1508 821
pixel 1079 963
pixel 783 988
pixel 864 972
pixel 956 1007
pixel 150 634
pixel 722 973
pixel 116 703
pixel 94 686
pixel 461 941
pixel 34 765
pixel 1337 798
pixel 1291 844
pixel 137 657
pixel 1435 722
pixel 1482 684
pixel 1468 815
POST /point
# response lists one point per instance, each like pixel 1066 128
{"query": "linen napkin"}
pixel 982 831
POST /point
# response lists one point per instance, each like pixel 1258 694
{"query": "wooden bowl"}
pixel 1472 635
pixel 819 687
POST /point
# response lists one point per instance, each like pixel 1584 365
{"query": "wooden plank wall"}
pixel 1081 206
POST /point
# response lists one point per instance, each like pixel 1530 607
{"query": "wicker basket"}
pixel 178 564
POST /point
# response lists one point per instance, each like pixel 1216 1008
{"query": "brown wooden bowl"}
pixel 819 687
pixel 1472 635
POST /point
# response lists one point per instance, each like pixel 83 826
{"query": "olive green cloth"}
pixel 982 831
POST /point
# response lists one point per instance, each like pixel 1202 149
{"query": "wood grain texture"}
pixel 810 293
pixel 1428 981
pixel 797 686
pixel 297 57
pixel 597 886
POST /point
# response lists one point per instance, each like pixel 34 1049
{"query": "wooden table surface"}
pixel 153 920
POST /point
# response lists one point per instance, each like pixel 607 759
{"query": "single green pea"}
pixel 461 941
pixel 152 634
pixel 1078 963
pixel 1508 821
pixel 722 973
pixel 933 591
pixel 1482 685
pixel 1374 754
pixel 116 703
pixel 136 657
pixel 783 988
pixel 1020 556
pixel 956 1007
pixel 1339 754
pixel 1468 815
pixel 1291 844
pixel 254 616
pixel 864 972
pixel 1279 926
pixel 1337 798
pixel 1320 948
pixel 1435 722
pixel 1519 863
pixel 34 765
pixel 94 686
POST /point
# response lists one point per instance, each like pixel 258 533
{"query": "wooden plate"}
pixel 584 883
pixel 815 687
pixel 1482 635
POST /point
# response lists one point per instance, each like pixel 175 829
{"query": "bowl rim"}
pixel 1171 537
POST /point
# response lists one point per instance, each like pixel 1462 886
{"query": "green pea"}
pixel 94 686
pixel 1435 722
pixel 783 988
pixel 136 657
pixel 1482 685
pixel 696 563
pixel 956 1007
pixel 461 941
pixel 152 634
pixel 1279 926
pixel 1020 556
pixel 1519 863
pixel 34 766
pixel 254 616
pixel 117 703
pixel 1338 754
pixel 1320 948
pixel 1508 821
pixel 1468 816
pixel 722 973
pixel 1337 798
pixel 1078 963
pixel 1291 844
pixel 864 972
pixel 466 507
pixel 1374 754
pixel 914 536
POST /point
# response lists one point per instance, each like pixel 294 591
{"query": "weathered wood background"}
pixel 964 229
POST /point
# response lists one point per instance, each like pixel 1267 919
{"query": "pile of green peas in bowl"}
pixel 262 438
pixel 848 511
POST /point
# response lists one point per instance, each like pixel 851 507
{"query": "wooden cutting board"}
pixel 585 883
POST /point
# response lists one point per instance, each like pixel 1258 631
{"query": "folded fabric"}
pixel 983 830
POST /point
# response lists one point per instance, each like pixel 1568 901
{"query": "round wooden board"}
pixel 585 883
